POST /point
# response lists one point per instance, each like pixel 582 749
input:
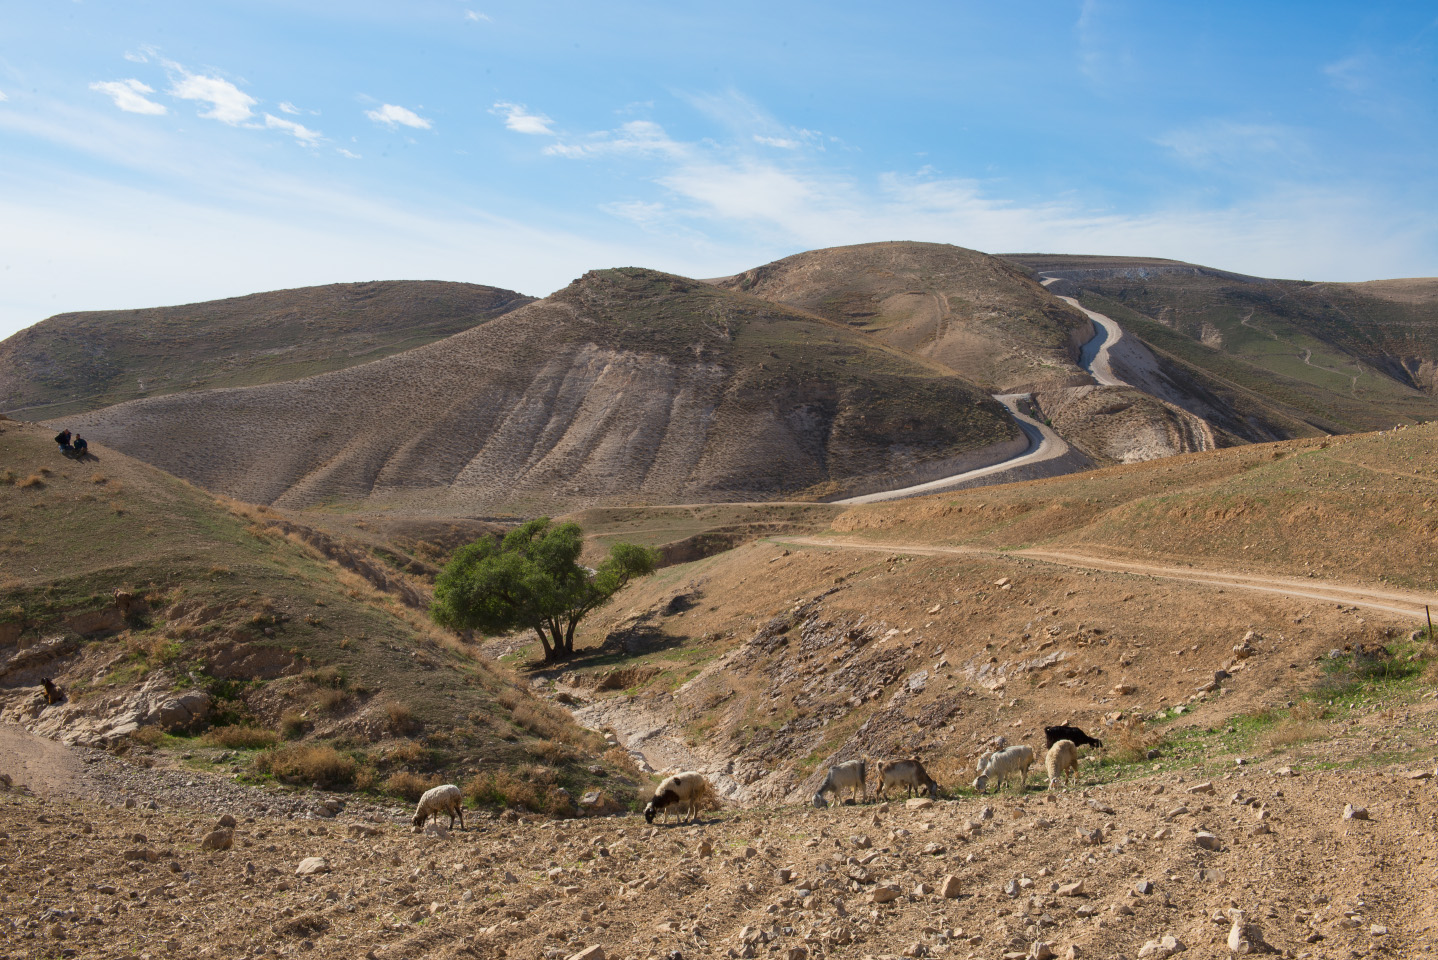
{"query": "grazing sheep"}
pixel 1053 735
pixel 905 773
pixel 1061 761
pixel 997 767
pixel 445 799
pixel 687 790
pixel 851 776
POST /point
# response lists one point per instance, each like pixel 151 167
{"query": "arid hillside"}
pixel 83 361
pixel 974 313
pixel 626 387
pixel 272 651
pixel 1267 359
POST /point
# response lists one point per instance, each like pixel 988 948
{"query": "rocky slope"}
pixel 629 386
pixel 82 361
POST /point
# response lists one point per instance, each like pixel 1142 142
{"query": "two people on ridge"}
pixel 76 446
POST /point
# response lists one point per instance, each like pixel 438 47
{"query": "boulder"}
pixel 310 866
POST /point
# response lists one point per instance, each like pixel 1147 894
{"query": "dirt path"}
pixel 1401 603
pixel 45 766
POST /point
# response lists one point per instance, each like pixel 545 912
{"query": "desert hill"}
pixel 1265 359
pixel 82 361
pixel 165 614
pixel 628 386
pixel 974 313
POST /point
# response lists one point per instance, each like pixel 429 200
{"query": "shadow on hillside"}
pixel 620 647
pixel 86 457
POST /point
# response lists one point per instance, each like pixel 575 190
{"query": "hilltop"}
pixel 628 386
pixel 261 646
pixel 976 314
pixel 75 362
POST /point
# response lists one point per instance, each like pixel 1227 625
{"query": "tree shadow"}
pixel 619 647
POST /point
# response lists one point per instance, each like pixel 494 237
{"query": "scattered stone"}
pixel 310 866
pixel 949 887
pixel 1208 841
pixel 595 952
pixel 221 839
pixel 1206 787
pixel 1164 947
pixel 919 803
pixel 1073 952
pixel 1072 889
pixel 1378 930
pixel 1238 941
pixel 1143 887
pixel 1041 950
pixel 1350 812
pixel 706 849
pixel 885 893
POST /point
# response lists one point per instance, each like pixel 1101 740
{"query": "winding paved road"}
pixel 1044 443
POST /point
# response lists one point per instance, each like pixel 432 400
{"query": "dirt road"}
pixel 1401 603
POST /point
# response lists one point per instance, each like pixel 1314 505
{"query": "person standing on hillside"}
pixel 63 439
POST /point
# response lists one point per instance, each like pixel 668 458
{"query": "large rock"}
pixel 310 866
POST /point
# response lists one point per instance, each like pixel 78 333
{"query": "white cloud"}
pixel 3 97
pixel 136 57
pixel 783 143
pixel 346 153
pixel 301 133
pixel 477 17
pixel 392 116
pixel 290 108
pixel 518 118
pixel 228 103
pixel 129 96
pixel 635 137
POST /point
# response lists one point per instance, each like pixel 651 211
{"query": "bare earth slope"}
pixel 628 386
pixel 973 313
pixel 82 361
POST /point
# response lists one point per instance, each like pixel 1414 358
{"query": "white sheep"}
pixel 851 776
pixel 905 773
pixel 437 800
pixel 1061 761
pixel 998 767
pixel 687 790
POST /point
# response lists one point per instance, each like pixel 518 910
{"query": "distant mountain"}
pixel 83 361
pixel 976 314
pixel 628 386
pixel 1267 359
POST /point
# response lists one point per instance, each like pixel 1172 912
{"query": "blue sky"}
pixel 168 152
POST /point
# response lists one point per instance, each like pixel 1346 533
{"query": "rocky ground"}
pixel 1331 856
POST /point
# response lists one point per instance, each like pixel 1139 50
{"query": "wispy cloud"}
pixel 347 153
pixel 136 57
pixel 783 143
pixel 290 108
pixel 3 97
pixel 228 103
pixel 301 133
pixel 129 96
pixel 477 17
pixel 518 118
pixel 634 137
pixel 1219 142
pixel 394 116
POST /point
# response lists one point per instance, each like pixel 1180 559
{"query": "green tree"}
pixel 532 579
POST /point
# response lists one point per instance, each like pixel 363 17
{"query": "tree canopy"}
pixel 532 579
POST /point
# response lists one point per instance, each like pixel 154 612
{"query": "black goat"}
pixel 1053 735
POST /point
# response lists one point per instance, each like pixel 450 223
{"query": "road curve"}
pixel 1044 444
pixel 1400 603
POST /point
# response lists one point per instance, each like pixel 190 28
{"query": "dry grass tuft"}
pixel 410 786
pixel 308 763
pixel 1134 742
pixel 34 480
pixel 240 737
